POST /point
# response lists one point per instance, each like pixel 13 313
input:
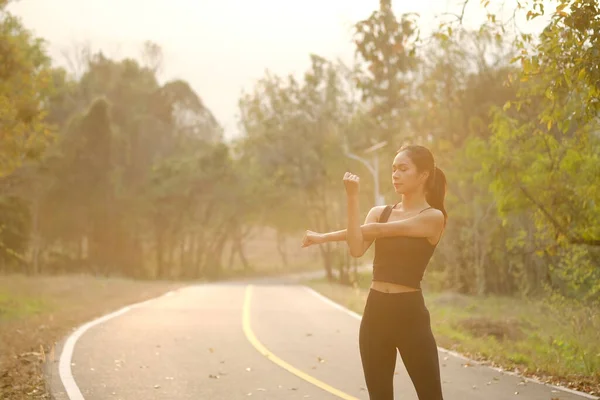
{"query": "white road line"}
pixel 359 317
pixel 66 356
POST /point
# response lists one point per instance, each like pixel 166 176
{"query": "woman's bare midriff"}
pixel 387 287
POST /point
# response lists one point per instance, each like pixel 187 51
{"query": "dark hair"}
pixel 436 182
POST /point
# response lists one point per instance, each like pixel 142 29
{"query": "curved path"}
pixel 264 340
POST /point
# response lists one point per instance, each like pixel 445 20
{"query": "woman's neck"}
pixel 413 201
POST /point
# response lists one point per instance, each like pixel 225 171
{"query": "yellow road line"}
pixel 264 351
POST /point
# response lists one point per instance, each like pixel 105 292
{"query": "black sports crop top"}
pixel 401 259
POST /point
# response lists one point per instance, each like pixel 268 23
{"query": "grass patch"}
pixel 13 306
pixel 553 342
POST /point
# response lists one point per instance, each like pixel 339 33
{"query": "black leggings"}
pixel 398 321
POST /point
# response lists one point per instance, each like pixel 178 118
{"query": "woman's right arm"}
pixel 339 236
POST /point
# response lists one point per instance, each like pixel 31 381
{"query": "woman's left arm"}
pixel 428 224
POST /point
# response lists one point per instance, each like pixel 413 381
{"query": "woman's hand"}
pixel 311 238
pixel 351 183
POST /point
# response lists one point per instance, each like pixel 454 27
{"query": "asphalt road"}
pixel 265 340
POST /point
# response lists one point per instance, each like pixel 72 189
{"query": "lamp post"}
pixel 372 166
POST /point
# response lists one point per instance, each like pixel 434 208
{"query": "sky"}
pixel 221 47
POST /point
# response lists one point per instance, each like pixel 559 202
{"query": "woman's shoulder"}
pixel 375 213
pixel 379 209
pixel 433 211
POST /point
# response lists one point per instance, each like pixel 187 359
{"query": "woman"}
pixel 405 236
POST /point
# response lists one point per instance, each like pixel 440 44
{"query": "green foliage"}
pixel 14 231
pixel 118 128
pixel 25 84
pixel 14 307
pixel 576 273
pixel 546 149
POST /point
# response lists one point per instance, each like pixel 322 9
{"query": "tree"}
pixel 461 78
pixel 293 143
pixel 26 83
pixel 14 232
pixel 386 46
pixel 554 124
pixel 112 157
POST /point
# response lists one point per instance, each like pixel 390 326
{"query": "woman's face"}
pixel 405 176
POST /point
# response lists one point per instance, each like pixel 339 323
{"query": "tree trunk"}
pixel 213 258
pixel 199 255
pixel 36 237
pixel 232 252
pixel 327 262
pixel 160 249
pixel 193 257
pixel 480 283
pixel 239 245
pixel 281 248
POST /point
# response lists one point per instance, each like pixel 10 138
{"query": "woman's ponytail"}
pixel 436 190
